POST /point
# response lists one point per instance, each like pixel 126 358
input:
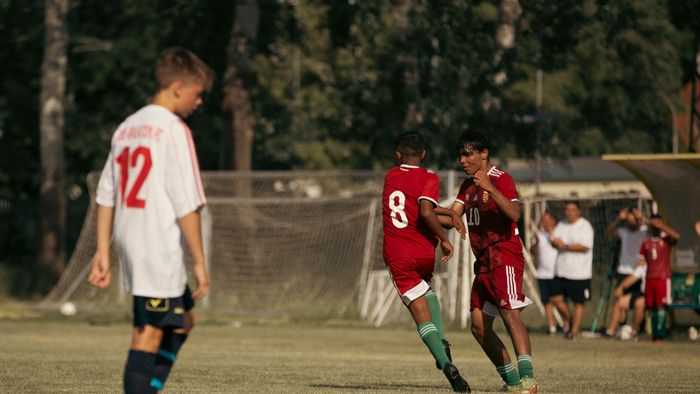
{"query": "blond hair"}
pixel 181 64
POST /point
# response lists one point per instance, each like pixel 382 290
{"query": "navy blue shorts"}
pixel 162 312
pixel 545 289
pixel 577 290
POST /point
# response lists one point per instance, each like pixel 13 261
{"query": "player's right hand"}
pixel 458 225
pixel 201 276
pixel 447 250
pixel 100 274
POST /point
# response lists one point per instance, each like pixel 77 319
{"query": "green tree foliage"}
pixel 332 95
pixel 606 74
pixel 335 80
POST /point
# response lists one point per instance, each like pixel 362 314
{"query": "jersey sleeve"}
pixel 106 194
pixel 431 189
pixel 460 195
pixel 506 186
pixel 183 182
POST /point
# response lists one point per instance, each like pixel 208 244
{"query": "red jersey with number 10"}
pixel 491 233
pixel 405 236
pixel 657 253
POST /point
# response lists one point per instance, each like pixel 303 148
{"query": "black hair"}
pixel 550 213
pixel 567 202
pixel 473 139
pixel 409 143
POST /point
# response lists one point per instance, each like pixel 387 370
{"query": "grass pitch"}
pixel 52 355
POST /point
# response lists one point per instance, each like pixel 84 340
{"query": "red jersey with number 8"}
pixel 151 179
pixel 493 236
pixel 405 236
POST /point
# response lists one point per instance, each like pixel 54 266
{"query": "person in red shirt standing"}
pixel 489 200
pixel 411 233
pixel 656 253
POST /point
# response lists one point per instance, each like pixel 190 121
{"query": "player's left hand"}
pixel 201 276
pixel 100 274
pixel 482 180
pixel 447 250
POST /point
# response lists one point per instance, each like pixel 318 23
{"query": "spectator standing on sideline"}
pixel 546 256
pixel 573 237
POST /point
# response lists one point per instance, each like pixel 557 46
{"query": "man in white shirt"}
pixel 573 238
pixel 631 235
pixel 546 256
pixel 149 197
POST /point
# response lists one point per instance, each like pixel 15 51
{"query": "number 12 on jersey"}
pixel 126 161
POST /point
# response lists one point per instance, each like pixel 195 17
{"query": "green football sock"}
pixel 429 334
pixel 660 323
pixel 525 366
pixel 509 374
pixel 654 324
pixel 434 305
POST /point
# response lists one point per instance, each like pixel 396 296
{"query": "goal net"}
pixel 277 244
pixel 297 243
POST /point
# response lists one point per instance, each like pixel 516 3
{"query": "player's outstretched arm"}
pixel 661 225
pixel 100 274
pixel 427 214
pixel 192 230
pixel 451 219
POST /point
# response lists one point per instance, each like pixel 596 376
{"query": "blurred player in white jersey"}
pixel 149 198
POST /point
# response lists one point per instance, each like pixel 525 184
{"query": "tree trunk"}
pixel 51 259
pixel 237 141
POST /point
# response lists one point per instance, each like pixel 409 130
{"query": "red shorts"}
pixel 411 277
pixel 499 288
pixel 657 293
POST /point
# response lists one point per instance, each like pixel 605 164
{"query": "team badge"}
pixel 157 304
pixel 485 197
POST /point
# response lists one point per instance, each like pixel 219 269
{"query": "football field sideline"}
pixel 47 355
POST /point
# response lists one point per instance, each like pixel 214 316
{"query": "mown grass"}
pixel 53 355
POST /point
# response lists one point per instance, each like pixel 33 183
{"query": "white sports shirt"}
pixel 151 178
pixel 546 256
pixel 630 242
pixel 575 265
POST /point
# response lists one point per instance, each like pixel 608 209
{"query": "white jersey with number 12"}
pixel 151 179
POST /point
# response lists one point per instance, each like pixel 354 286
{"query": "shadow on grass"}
pixel 379 386
pixel 396 386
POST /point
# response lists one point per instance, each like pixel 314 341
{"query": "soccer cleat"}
pixel 569 335
pixel 446 346
pixel 458 383
pixel 528 385
pixel 511 389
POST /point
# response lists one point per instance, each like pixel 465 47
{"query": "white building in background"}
pixel 574 177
